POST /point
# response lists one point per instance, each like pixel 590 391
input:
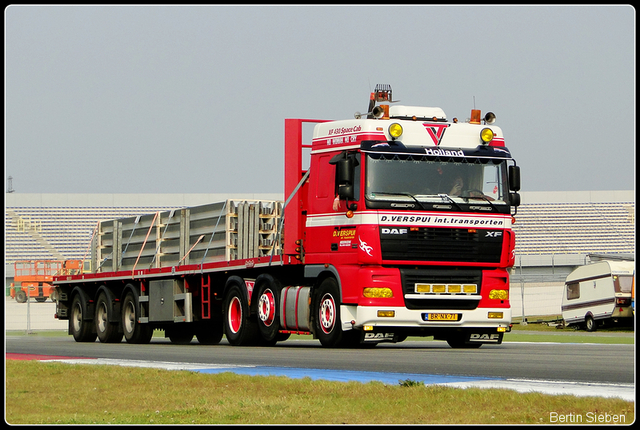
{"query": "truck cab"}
pixel 415 211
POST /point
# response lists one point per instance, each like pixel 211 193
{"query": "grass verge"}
pixel 57 393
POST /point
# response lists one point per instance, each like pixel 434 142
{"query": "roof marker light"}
pixel 475 116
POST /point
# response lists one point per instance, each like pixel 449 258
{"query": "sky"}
pixel 192 99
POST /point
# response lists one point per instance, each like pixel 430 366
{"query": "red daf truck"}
pixel 399 226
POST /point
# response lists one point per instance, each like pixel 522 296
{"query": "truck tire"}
pixel 238 325
pixel 134 332
pixel 459 342
pixel 179 335
pixel 107 331
pixel 81 330
pixel 268 300
pixel 326 311
pixel 210 333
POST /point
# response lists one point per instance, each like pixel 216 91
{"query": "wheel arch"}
pixel 235 280
pixel 321 272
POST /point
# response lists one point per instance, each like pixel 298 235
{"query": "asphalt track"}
pixel 552 368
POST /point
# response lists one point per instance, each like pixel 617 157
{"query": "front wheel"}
pixel 21 296
pixel 326 309
pixel 460 342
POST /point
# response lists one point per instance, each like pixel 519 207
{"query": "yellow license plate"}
pixel 441 317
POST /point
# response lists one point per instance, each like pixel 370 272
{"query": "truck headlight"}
pixel 499 294
pixel 377 293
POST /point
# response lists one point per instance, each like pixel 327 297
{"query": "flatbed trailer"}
pixel 399 226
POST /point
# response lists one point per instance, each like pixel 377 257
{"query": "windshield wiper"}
pixel 448 197
pixel 482 197
pixel 401 194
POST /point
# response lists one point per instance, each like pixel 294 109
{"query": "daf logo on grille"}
pixel 394 231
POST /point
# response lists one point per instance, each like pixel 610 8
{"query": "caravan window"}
pixel 622 284
pixel 573 291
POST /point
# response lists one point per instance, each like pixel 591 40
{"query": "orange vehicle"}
pixel 33 278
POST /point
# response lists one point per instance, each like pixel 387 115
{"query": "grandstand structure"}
pixel 555 231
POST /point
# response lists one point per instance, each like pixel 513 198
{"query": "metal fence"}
pixel 537 296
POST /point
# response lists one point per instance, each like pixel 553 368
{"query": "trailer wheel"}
pixel 134 332
pixel 326 308
pixel 107 331
pixel 590 324
pixel 81 330
pixel 210 332
pixel 238 326
pixel 267 310
pixel 180 336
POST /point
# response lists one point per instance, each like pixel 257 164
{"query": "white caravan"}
pixel 598 292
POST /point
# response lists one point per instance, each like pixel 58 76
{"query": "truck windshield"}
pixel 414 179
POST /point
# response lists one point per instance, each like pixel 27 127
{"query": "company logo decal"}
pixel 443 221
pixel 436 131
pixel 484 338
pixel 378 337
pixel 344 233
pixel 366 248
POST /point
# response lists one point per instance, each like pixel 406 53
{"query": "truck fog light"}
pixel 470 288
pixel 395 130
pixel 386 314
pixel 486 135
pixel 498 315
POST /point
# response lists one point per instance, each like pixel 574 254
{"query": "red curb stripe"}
pixel 16 356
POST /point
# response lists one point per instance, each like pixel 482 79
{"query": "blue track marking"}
pixel 624 391
pixel 346 375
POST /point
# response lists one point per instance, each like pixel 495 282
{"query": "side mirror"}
pixel 345 172
pixel 345 192
pixel 514 178
pixel 514 199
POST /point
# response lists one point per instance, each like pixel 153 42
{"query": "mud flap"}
pixel 372 337
pixel 480 337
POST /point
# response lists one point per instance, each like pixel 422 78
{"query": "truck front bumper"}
pixel 374 318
